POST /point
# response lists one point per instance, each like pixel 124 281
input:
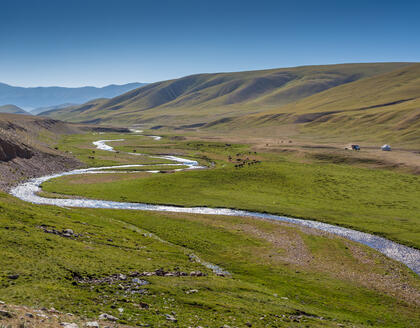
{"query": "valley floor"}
pixel 139 266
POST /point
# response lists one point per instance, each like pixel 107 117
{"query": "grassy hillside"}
pixel 199 99
pixel 67 113
pixel 12 109
pixel 384 108
pixel 40 110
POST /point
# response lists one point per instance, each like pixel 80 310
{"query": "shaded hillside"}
pixel 67 113
pixel 384 107
pixel 12 109
pixel 40 110
pixel 26 146
pixel 49 96
pixel 199 99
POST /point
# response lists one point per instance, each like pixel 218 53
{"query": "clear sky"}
pixel 99 42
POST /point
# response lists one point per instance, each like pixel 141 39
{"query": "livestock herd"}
pixel 242 162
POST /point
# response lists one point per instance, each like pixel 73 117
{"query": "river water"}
pixel 28 191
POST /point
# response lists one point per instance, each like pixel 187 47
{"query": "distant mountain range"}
pixel 30 98
pixel 12 109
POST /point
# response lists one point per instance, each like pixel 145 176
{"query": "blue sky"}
pixel 92 42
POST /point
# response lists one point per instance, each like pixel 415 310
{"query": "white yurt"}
pixel 386 148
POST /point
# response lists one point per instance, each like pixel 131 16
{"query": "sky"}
pixel 100 42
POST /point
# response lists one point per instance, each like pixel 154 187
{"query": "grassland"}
pixel 80 146
pixel 378 201
pixel 281 275
pixel 275 281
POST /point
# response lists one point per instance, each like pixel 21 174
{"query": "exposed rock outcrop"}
pixel 27 150
pixel 10 150
pixel 24 149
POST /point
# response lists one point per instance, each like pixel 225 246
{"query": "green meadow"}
pixel 272 284
pixel 280 275
pixel 372 200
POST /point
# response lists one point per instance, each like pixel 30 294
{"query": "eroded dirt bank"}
pixel 26 149
pixel 39 164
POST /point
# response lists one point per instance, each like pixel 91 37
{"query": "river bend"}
pixel 28 191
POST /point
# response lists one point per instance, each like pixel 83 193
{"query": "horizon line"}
pixel 212 72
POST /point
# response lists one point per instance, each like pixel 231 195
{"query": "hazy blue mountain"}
pixel 29 98
pixel 12 109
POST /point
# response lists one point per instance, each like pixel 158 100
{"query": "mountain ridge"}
pixel 381 107
pixel 206 97
pixel 12 109
pixel 35 97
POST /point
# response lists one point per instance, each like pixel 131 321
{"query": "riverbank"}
pixel 377 201
pixel 286 275
pixel 280 274
pixel 28 192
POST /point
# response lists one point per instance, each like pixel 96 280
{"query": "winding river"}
pixel 28 191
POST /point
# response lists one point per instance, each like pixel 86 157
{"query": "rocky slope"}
pixel 24 316
pixel 26 151
pixel 10 150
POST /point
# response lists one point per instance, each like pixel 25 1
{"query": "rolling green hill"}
pixel 202 98
pixel 12 109
pixel 384 107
